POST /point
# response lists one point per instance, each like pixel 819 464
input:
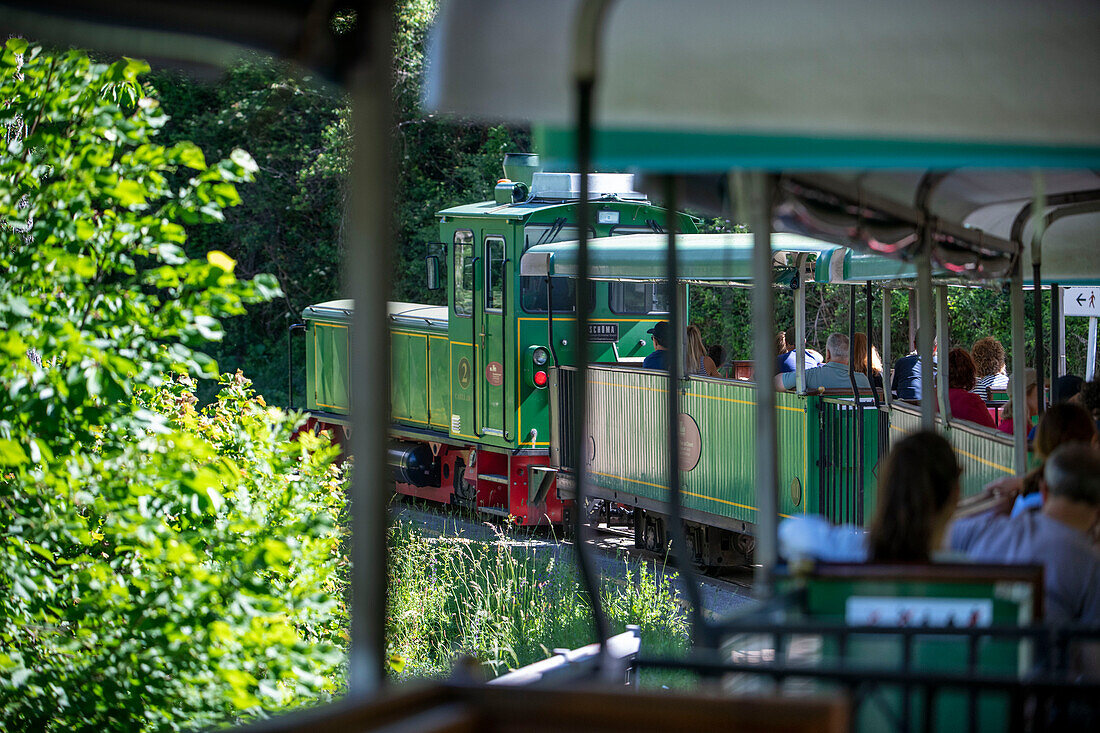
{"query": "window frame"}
pixel 488 270
pixel 459 277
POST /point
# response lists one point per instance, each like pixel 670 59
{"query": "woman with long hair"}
pixel 859 359
pixel 918 489
pixel 696 361
pixel 989 366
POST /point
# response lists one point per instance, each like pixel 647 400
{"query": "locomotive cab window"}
pixel 464 272
pixel 563 290
pixel 638 299
pixel 494 273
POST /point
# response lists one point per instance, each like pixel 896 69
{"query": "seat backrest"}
pixel 936 596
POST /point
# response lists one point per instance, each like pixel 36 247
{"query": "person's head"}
pixel 1065 388
pixel 1031 393
pixel 988 355
pixel 781 343
pixel 836 348
pixel 918 488
pixel 859 355
pixel 1064 423
pixel 1071 483
pixel 1089 398
pixel 660 335
pixel 717 354
pixel 917 337
pixel 695 349
pixel 960 370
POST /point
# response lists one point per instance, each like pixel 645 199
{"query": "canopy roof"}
pixel 987 106
pixel 709 85
pixel 708 258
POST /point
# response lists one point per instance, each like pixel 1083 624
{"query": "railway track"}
pixel 722 593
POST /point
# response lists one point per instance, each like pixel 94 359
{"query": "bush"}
pixel 160 567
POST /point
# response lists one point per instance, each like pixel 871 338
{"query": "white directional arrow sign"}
pixel 1081 301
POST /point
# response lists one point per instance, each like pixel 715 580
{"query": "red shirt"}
pixel 969 406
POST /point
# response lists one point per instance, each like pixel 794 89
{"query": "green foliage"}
pixel 160 567
pixel 507 604
pixel 299 132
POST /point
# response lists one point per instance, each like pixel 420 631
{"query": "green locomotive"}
pixel 469 399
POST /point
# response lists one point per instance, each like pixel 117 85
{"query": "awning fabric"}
pixel 978 122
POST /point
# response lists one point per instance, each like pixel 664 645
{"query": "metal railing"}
pixel 563 423
pixel 843 456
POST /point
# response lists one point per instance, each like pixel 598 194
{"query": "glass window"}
pixel 638 299
pixel 464 272
pixel 494 273
pixel 563 289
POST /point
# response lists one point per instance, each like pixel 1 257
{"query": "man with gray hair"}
pixel 832 374
pixel 1057 537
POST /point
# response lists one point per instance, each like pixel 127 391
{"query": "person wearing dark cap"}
pixel 1065 388
pixel 659 358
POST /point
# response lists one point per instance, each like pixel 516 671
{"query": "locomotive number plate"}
pixel 464 372
pixel 603 333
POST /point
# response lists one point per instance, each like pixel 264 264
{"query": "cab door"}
pixel 492 344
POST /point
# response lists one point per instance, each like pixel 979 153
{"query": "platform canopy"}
pixel 978 120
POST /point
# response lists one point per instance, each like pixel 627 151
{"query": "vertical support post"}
pixel 366 274
pixel 943 326
pixel 925 334
pixel 1040 365
pixel 887 357
pixel 589 23
pixel 800 327
pixel 1062 335
pixel 580 394
pixel 1090 362
pixel 757 188
pixel 678 327
pixel 871 343
pixel 1057 353
pixel 1019 400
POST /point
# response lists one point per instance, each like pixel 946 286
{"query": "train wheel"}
pixel 654 535
pixel 465 494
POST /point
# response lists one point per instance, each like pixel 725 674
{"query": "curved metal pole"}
pixel 586 61
pixel 672 422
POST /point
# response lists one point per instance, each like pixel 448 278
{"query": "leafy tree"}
pixel 160 567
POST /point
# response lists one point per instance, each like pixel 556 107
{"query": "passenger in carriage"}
pixel 659 358
pixel 906 380
pixel 1089 398
pixel 786 359
pixel 965 405
pixel 833 374
pixel 1058 537
pixel 698 362
pixel 1062 423
pixel 918 489
pixel 1065 389
pixel 989 364
pixel 1031 393
pixel 859 359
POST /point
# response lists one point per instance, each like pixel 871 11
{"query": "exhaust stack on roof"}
pixel 521 167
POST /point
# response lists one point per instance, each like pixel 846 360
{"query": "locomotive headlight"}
pixel 540 356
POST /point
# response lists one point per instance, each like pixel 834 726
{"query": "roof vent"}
pixel 567 186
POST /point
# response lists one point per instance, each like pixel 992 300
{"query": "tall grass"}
pixel 508 604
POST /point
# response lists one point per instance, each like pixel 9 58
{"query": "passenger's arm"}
pixel 712 370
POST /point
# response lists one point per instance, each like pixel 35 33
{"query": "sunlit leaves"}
pixel 161 566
